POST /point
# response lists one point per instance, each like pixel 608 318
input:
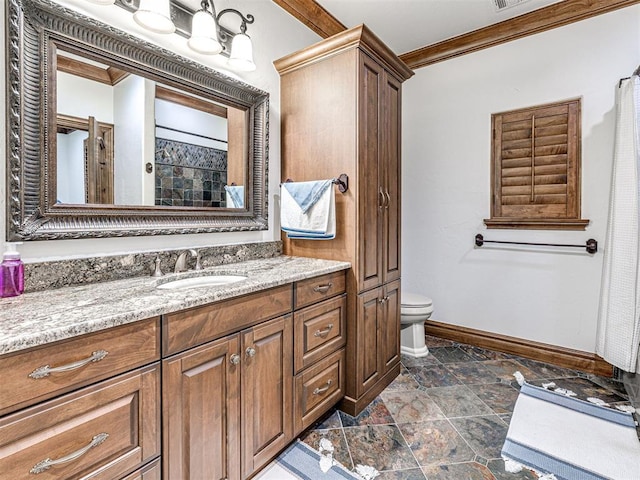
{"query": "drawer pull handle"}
pixel 323 288
pixel 47 370
pixel 319 391
pixel 325 332
pixel 47 463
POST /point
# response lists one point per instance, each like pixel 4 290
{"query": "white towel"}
pixel 234 196
pixel 317 223
pixel 619 320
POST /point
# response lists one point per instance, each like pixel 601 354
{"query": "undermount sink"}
pixel 203 281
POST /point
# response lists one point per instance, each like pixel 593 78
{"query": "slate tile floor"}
pixel 446 416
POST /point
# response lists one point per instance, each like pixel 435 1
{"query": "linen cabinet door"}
pixel 390 327
pixel 368 341
pixel 391 119
pixel 201 397
pixel 371 194
pixel 267 392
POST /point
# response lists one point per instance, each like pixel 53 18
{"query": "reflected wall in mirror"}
pixel 124 138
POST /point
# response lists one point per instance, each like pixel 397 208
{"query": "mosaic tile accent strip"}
pixel 180 154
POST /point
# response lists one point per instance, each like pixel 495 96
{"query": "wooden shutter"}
pixel 536 168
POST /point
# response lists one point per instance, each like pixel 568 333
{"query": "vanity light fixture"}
pixel 206 36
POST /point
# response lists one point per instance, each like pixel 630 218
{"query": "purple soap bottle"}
pixel 11 273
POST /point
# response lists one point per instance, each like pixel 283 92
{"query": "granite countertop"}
pixel 43 317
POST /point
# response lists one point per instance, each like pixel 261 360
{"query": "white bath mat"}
pixel 571 439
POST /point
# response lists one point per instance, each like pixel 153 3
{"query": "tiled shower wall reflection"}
pixel 189 175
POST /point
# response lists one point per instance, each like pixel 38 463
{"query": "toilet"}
pixel 415 309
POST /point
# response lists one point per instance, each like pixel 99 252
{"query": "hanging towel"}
pixel 235 196
pixel 619 317
pixel 306 194
pixel 307 210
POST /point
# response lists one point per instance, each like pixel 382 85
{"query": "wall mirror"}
pixel 112 136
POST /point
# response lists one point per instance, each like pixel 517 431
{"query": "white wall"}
pixel 70 167
pixel 80 97
pixel 544 295
pixel 187 119
pixel 129 129
pixel 268 46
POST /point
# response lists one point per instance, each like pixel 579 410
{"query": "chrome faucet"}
pixel 181 262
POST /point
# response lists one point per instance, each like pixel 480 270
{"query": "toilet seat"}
pixel 415 304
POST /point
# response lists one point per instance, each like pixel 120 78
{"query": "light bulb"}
pixel 241 57
pixel 204 36
pixel 155 15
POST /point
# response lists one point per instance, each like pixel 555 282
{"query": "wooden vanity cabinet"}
pixel 225 386
pixel 267 392
pixel 34 375
pixel 341 113
pixel 101 432
pixel 227 394
pixel 229 405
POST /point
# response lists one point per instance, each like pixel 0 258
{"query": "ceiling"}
pixel 406 25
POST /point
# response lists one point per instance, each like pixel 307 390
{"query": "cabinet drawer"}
pixel 317 389
pixel 188 328
pixel 102 431
pixel 317 289
pixel 319 331
pixel 32 376
pixel 153 471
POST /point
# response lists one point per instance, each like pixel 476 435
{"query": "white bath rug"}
pixel 571 439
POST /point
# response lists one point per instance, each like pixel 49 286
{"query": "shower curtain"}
pixel 618 334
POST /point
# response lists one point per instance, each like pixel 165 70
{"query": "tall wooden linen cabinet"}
pixel 340 110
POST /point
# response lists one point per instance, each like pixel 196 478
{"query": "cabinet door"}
pixel 389 326
pixel 201 409
pixel 391 119
pixel 368 340
pixel 371 194
pixel 267 392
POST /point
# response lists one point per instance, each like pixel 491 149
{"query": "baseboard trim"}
pixel 561 356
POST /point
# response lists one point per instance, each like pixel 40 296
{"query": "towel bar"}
pixel 342 181
pixel 591 245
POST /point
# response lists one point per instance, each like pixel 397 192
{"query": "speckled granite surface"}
pixel 38 318
pixel 64 273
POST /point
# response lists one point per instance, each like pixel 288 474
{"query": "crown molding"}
pixel 541 20
pixel 314 16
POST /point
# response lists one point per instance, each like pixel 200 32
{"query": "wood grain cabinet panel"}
pixel 101 432
pixel 153 471
pixel 201 396
pixel 314 290
pixel 318 331
pixel 389 327
pixel 29 377
pixel 317 389
pixel 267 392
pixel 189 328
